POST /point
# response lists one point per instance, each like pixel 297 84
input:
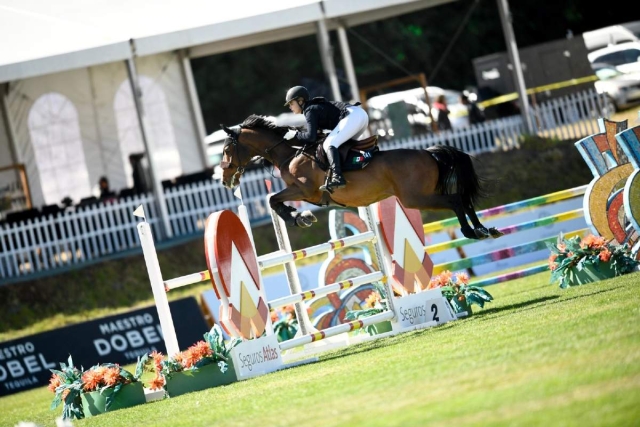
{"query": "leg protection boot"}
pixel 336 180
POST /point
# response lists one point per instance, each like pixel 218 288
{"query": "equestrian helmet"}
pixel 296 92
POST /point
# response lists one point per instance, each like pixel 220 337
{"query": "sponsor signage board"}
pixel 25 362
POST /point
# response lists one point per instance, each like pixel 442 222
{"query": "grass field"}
pixel 537 355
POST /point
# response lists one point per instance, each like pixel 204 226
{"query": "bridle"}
pixel 241 169
pixel 228 165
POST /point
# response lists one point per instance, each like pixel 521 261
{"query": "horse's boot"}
pixel 336 180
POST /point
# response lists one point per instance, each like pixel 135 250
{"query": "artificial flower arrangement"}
pixel 285 322
pixel 375 303
pixel 576 261
pixel 72 385
pixel 171 373
pixel 456 289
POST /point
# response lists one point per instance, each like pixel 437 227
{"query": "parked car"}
pixel 622 89
pixel 625 56
pixel 416 107
pixel 612 35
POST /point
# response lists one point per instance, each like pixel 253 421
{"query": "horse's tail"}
pixel 457 174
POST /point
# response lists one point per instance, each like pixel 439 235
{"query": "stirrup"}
pixel 333 184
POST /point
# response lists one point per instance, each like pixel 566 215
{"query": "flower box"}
pixel 207 376
pixel 590 273
pixel 576 261
pixel 380 328
pixel 95 403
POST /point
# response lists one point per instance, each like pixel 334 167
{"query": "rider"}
pixel 346 121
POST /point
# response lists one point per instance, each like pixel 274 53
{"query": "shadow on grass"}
pixel 384 342
pixel 519 305
pixel 529 305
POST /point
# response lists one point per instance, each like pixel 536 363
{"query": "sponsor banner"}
pixel 256 357
pixel 423 307
pixel 25 362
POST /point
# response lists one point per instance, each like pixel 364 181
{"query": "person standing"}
pixel 443 113
pixel 475 114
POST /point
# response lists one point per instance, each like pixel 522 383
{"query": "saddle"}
pixel 354 154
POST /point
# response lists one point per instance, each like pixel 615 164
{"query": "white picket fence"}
pixel 102 230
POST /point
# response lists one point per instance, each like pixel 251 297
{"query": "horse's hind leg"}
pixel 446 201
pixel 480 230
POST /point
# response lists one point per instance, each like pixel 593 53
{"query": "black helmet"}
pixel 297 92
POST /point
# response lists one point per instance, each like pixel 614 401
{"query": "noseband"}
pixel 227 165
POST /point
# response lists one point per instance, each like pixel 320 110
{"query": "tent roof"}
pixel 42 36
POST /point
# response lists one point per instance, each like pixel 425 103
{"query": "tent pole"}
pixel 137 100
pixel 196 110
pixel 11 133
pixel 514 58
pixel 326 54
pixel 348 63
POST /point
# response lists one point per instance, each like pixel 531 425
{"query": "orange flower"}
pixel 91 380
pixel 201 349
pixel 157 360
pixel 561 247
pixel 605 255
pixel 445 277
pixel 157 383
pixel 180 358
pixel 54 382
pixel 552 261
pixel 65 393
pixel 593 242
pixel 462 278
pixel 111 376
pixel 190 358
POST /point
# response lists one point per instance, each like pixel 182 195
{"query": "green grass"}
pixel 537 355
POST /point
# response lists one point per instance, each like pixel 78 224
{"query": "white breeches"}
pixel 351 126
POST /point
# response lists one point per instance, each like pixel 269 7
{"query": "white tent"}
pixel 68 69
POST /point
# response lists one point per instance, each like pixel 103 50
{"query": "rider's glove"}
pixel 290 134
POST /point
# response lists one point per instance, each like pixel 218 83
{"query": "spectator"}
pixel 443 113
pixel 105 193
pixel 140 181
pixel 475 113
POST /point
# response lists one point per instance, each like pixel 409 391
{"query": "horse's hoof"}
pixel 468 232
pixel 495 233
pixel 309 216
pixel 302 221
pixel 481 233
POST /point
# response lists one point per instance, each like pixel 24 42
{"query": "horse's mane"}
pixel 261 122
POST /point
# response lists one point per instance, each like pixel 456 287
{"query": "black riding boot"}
pixel 336 180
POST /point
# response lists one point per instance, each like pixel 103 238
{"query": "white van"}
pixel 612 35
pixel 625 57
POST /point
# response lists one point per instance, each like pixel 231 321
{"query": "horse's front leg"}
pixel 289 214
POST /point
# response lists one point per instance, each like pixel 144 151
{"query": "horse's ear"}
pixel 229 132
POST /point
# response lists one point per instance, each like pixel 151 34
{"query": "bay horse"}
pixel 440 177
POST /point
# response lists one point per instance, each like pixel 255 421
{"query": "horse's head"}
pixel 235 157
pixel 259 137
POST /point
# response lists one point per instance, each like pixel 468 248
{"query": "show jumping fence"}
pixel 99 231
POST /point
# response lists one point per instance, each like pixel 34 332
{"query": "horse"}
pixel 439 177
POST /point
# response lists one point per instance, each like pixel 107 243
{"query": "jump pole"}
pixel 157 286
pixel 511 207
pixel 291 271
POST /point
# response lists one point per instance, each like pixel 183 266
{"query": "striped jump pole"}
pixel 498 255
pixel 278 258
pixel 510 208
pixel 513 275
pixel 336 330
pixel 329 289
pixel 552 219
